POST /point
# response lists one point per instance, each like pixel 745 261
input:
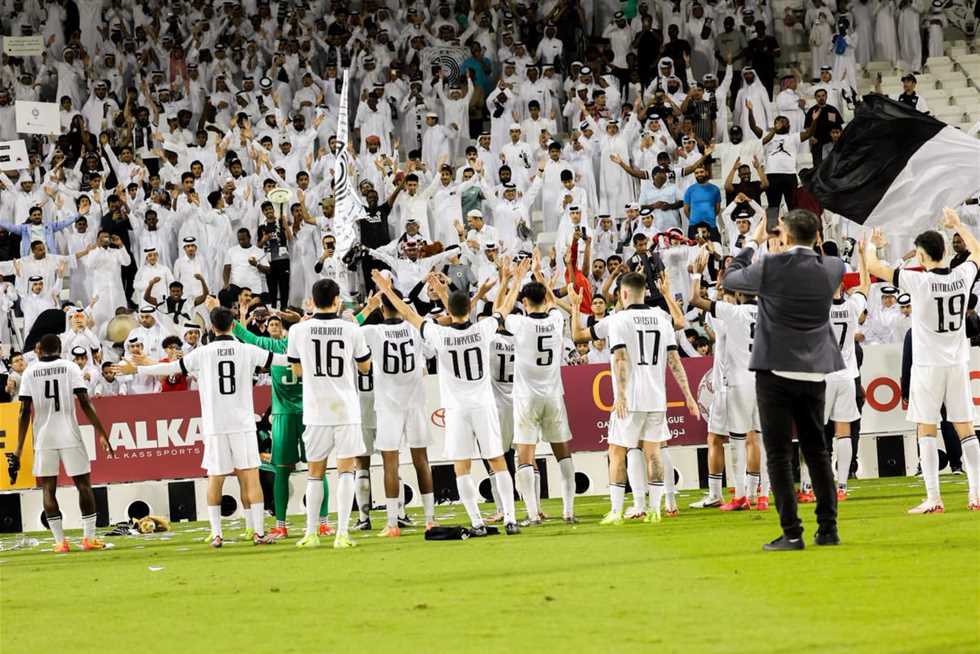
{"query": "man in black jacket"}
pixel 793 350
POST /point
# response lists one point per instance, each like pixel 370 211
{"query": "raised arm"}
pixel 875 265
pixel 951 220
pixel 408 313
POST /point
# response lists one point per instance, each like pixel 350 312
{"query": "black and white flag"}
pixel 895 166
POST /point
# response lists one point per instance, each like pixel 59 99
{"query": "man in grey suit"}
pixel 794 349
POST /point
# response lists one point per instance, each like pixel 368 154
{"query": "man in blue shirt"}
pixel 702 202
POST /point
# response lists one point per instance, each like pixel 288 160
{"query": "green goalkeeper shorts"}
pixel 287 439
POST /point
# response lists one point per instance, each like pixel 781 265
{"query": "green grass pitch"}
pixel 695 583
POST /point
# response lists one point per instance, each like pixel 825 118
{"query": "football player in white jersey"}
pixel 48 389
pixel 362 473
pixel 328 352
pixel 502 380
pixel 840 400
pixel 539 403
pixel 940 350
pixel 472 425
pixel 642 343
pixel 397 364
pixel 741 409
pixel 224 370
pixel 717 412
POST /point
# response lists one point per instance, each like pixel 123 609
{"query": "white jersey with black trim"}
pixel 939 306
pixel 463 352
pixel 51 384
pixel 538 350
pixel 844 316
pixel 739 321
pixel 647 333
pixel 502 366
pixel 397 362
pixel 718 376
pixel 328 348
pixel 224 370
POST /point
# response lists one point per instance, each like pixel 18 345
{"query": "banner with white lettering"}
pixel 23 46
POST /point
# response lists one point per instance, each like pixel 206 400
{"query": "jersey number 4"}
pixel 51 392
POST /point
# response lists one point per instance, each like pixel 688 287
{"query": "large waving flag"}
pixel 897 167
pixel 347 208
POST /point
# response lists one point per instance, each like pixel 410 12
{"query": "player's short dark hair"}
pixel 802 226
pixel 639 236
pixel 634 281
pixel 932 243
pixel 222 319
pixel 106 364
pixel 325 292
pixel 567 175
pixel 214 197
pixel 411 177
pixel 171 341
pixel 459 304
pixel 386 303
pixel 49 344
pixel 535 293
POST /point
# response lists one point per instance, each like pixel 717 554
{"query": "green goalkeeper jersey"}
pixel 287 390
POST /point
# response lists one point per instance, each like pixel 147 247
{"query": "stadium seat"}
pixel 938 61
pixel 935 97
pixel 956 52
pixel 956 80
pixel 967 58
pixel 964 94
pixel 883 67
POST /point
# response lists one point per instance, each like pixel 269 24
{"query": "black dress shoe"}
pixel 783 544
pixel 826 538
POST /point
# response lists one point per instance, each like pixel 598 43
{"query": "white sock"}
pixel 656 490
pixel 364 494
pixel 636 472
pixel 314 497
pixel 391 506
pixel 971 457
pixel 525 486
pixel 929 460
pixel 714 486
pixel 258 518
pixel 506 486
pixel 752 484
pixel 214 517
pixel 739 461
pixel 467 495
pixel 537 489
pixel 763 470
pixel 668 463
pixel 805 484
pixel 496 495
pixel 247 515
pixel 401 498
pixel 345 500
pixel 617 496
pixel 429 506
pixel 567 487
pixel 54 524
pixel 88 526
pixel 843 448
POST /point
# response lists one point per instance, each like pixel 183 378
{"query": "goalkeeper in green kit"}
pixel 287 421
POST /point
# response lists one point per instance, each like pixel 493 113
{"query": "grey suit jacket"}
pixel 795 290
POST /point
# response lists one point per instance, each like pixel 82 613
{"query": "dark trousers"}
pixel 782 403
pixel 277 280
pixel 781 186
